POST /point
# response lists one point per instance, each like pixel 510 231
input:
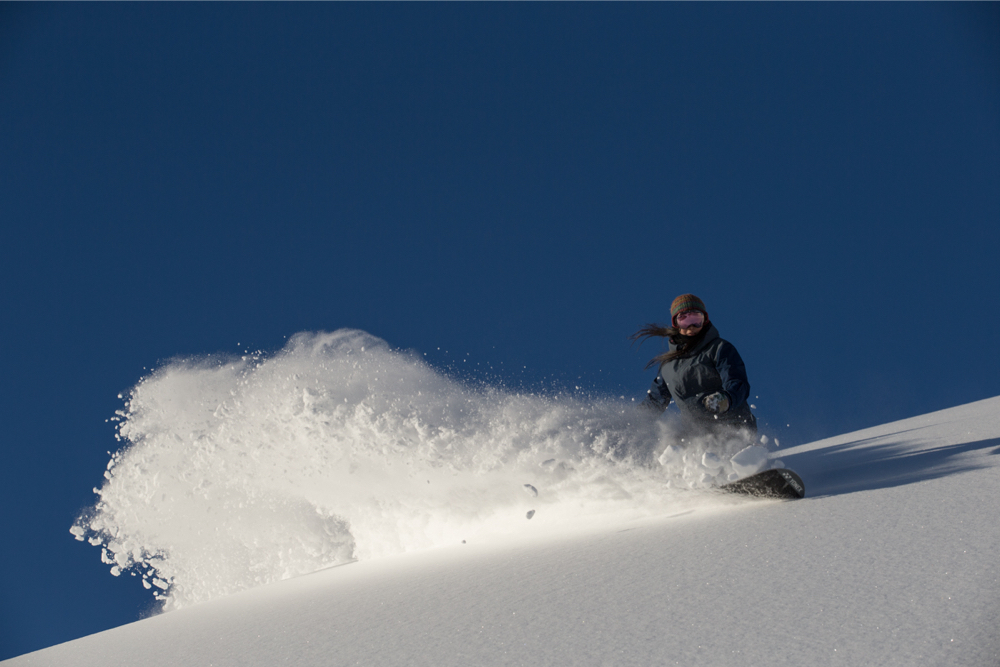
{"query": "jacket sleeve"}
pixel 733 373
pixel 658 397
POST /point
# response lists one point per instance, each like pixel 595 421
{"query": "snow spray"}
pixel 239 472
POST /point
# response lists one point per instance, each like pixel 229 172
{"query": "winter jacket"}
pixel 713 365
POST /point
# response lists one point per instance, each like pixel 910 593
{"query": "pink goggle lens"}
pixel 691 318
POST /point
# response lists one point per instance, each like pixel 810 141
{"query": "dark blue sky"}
pixel 525 184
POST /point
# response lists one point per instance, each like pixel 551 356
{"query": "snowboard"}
pixel 775 483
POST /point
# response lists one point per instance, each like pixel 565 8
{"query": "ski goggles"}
pixel 690 318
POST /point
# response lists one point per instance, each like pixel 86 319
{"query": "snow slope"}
pixel 891 559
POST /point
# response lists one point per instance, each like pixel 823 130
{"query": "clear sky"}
pixel 511 188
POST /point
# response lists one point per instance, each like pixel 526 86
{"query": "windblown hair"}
pixel 682 343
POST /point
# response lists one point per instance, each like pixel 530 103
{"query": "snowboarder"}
pixel 701 372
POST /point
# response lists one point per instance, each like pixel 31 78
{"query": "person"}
pixel 701 372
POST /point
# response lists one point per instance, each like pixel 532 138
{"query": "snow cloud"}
pixel 239 472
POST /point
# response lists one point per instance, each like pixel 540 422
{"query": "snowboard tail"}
pixel 775 483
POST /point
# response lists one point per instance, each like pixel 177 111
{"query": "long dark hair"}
pixel 681 343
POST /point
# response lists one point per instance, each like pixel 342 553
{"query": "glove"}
pixel 716 403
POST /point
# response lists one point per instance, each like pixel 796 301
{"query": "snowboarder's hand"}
pixel 716 403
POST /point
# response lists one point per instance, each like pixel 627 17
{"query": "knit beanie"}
pixel 686 302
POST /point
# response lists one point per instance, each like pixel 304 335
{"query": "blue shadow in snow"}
pixel 851 467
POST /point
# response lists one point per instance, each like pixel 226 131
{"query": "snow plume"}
pixel 241 472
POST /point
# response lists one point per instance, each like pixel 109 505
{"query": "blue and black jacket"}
pixel 712 365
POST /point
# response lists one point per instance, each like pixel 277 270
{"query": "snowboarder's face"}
pixel 690 322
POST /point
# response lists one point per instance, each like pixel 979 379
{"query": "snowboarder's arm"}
pixel 733 373
pixel 658 396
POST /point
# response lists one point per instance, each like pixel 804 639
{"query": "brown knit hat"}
pixel 686 302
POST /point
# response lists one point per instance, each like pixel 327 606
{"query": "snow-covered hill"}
pixel 342 503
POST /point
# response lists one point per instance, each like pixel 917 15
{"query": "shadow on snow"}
pixel 857 466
